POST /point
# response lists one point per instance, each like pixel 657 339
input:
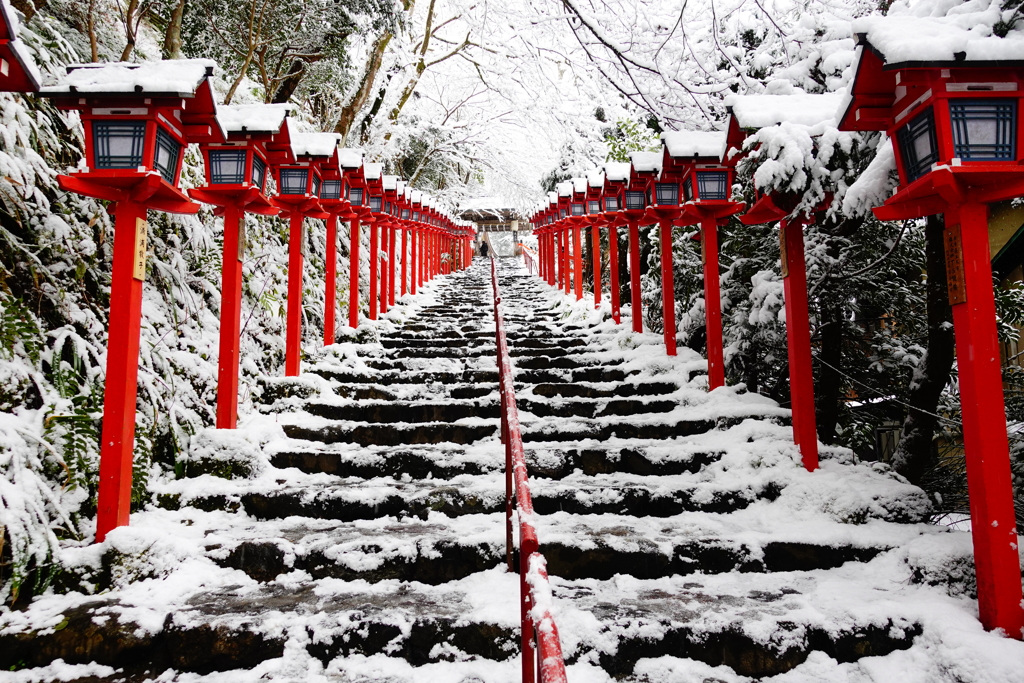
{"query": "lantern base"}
pixel 126 185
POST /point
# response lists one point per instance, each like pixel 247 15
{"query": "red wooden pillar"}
pixel 668 294
pixel 798 337
pixel 634 277
pixel 331 280
pixel 121 385
pixel 413 260
pixel 422 258
pixel 712 302
pixel 392 264
pixel 293 327
pixel 595 239
pixel 558 269
pixel 578 260
pixel 993 524
pixel 552 256
pixel 405 252
pixel 567 259
pixel 373 269
pixel 613 272
pixel 383 270
pixel 353 274
pixel 230 317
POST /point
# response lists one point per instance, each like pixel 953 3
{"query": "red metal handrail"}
pixel 539 631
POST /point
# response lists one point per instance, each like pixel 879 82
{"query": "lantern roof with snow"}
pixel 948 93
pixel 18 70
pixel 252 121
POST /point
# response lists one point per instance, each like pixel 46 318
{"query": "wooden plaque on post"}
pixel 139 272
pixel 954 265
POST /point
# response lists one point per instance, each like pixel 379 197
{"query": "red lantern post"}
pixel 236 173
pixel 358 213
pixel 616 176
pixel 635 200
pixel 698 160
pixel 18 71
pixel 956 130
pixel 334 200
pixel 298 191
pixel 137 120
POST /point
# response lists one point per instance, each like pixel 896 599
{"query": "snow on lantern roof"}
pixel 315 144
pixel 579 184
pixel 563 189
pixel 9 29
pixel 753 112
pixel 11 24
pixel 252 118
pixel 646 162
pixel 389 183
pixel 373 171
pixel 595 178
pixel 177 77
pixel 617 171
pixel 408 193
pixel 350 158
pixel 415 196
pixel 552 198
pixel 695 143
pixel 930 41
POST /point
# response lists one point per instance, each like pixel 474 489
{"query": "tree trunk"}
pixel 94 47
pixel 917 452
pixel 362 94
pixel 827 388
pixel 290 82
pixel 172 37
pixel 129 29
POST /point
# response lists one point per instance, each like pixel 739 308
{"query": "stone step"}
pixel 765 629
pixel 590 408
pixel 405 411
pixel 386 434
pixel 223 630
pixel 606 390
pixel 352 498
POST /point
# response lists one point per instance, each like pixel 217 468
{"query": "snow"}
pixel 914 38
pixel 760 111
pixel 564 189
pixel 350 158
pixel 875 184
pixel 646 162
pixel 373 171
pixel 579 185
pixel 617 171
pixel 389 183
pixel 595 178
pixel 693 143
pixel 314 144
pixel 178 76
pixel 253 118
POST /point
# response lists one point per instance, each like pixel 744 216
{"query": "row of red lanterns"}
pixel 955 130
pixel 138 120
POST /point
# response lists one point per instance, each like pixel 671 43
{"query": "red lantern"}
pixel 137 119
pixel 334 200
pixel 697 161
pixel 298 197
pixel 236 177
pixel 955 126
pixel 18 71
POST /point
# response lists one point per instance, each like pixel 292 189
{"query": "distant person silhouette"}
pixel 483 249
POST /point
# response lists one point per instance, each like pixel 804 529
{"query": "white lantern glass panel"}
pixel 983 130
pixel 293 180
pixel 118 144
pixel 168 152
pixel 227 166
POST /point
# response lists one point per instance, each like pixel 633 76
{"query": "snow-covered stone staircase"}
pixel 355 532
